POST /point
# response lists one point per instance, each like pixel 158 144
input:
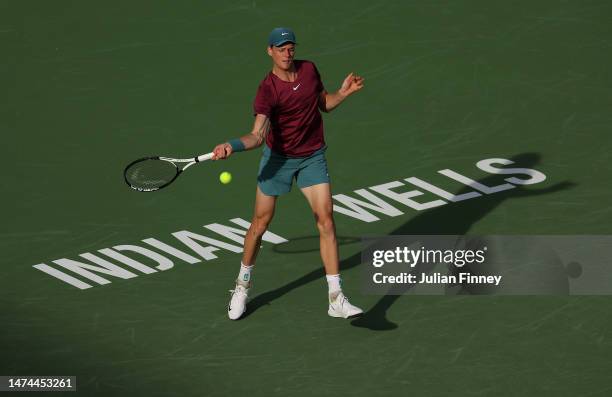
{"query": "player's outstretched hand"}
pixel 222 151
pixel 351 84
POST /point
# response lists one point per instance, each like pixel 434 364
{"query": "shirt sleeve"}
pixel 320 86
pixel 264 100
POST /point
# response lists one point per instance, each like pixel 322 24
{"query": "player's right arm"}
pixel 257 136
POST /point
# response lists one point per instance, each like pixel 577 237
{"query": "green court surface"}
pixel 86 88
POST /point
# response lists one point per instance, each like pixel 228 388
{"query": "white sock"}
pixel 333 283
pixel 245 273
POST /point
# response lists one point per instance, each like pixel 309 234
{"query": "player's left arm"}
pixel 351 84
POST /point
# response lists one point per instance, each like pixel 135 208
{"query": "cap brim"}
pixel 280 43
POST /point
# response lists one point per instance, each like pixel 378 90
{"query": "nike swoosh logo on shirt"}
pixel 296 87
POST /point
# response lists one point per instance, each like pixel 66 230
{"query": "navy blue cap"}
pixel 280 36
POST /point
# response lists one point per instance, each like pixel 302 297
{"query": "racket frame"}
pixel 173 161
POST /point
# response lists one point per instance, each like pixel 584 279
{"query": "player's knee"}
pixel 325 224
pixel 260 225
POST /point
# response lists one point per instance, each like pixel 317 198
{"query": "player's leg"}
pixel 274 179
pixel 320 200
pixel 264 211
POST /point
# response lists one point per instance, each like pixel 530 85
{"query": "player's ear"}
pixel 270 50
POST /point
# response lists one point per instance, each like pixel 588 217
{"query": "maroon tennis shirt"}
pixel 292 107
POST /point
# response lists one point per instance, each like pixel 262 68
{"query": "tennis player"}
pixel 288 120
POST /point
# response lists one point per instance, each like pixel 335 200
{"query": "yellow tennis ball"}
pixel 225 177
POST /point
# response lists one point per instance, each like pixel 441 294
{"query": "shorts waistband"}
pixel 267 152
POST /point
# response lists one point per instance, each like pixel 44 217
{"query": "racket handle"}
pixel 205 157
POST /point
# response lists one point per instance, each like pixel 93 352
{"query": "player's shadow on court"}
pixel 300 245
pixel 451 219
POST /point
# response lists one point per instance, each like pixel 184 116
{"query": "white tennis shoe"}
pixel 237 303
pixel 341 307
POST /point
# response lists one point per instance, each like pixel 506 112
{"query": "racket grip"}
pixel 205 157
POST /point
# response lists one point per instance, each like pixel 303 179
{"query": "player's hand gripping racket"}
pixel 153 173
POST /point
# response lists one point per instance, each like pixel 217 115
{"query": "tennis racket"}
pixel 153 173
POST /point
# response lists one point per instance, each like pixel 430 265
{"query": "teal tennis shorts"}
pixel 277 172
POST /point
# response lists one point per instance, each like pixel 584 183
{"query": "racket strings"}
pixel 150 174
